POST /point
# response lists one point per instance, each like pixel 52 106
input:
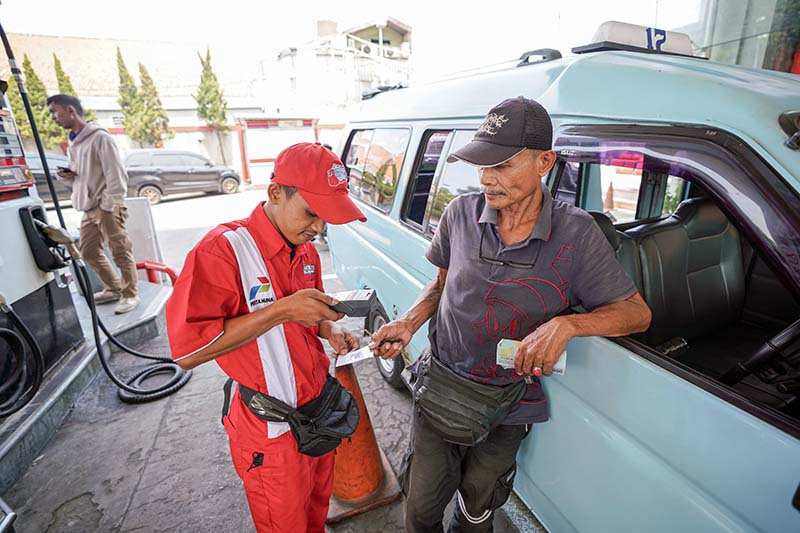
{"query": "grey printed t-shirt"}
pixel 573 264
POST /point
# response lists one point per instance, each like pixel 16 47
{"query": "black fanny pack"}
pixel 318 426
pixel 462 411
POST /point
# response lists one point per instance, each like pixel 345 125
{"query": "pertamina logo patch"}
pixel 337 175
pixel 309 270
pixel 259 294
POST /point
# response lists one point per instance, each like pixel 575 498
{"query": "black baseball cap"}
pixel 510 127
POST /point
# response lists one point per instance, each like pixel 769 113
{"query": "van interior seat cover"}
pixel 692 271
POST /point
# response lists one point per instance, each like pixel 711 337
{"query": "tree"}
pixel 152 123
pixel 65 87
pixel 51 133
pixel 211 106
pixel 18 109
pixel 128 95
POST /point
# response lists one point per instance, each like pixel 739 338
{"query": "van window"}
pixel 357 153
pixel 618 186
pixel 676 191
pixel 455 179
pixel 714 303
pixel 570 183
pixel 422 178
pixel 375 158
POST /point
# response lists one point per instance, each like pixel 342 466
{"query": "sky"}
pixel 448 36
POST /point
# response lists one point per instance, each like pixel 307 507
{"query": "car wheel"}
pixel 229 185
pixel 152 193
pixel 391 369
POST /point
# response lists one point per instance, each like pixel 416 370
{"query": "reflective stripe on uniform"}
pixel 276 362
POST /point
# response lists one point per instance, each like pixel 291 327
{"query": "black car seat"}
pixel 624 247
pixel 692 272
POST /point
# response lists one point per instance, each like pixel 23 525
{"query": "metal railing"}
pixel 374 49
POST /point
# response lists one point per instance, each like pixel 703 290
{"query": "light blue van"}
pixel 692 169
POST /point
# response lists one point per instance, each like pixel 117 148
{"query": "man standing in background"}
pixel 99 183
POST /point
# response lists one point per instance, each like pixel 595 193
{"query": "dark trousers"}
pixel 483 476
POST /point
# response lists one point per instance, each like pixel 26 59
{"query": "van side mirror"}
pixel 210 163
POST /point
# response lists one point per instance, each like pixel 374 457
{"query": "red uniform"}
pixel 237 268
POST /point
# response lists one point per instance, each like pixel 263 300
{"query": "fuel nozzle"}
pixel 57 236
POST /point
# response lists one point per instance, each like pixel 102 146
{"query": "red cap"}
pixel 321 179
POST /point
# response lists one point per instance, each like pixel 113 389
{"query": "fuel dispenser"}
pixel 38 323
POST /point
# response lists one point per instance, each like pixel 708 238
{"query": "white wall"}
pixel 267 143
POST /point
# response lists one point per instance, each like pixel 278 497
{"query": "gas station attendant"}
pixel 250 297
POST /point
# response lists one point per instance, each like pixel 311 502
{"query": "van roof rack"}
pixel 366 95
pixel 548 54
pixel 604 46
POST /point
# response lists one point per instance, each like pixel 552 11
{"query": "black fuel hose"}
pixel 17 374
pixel 130 391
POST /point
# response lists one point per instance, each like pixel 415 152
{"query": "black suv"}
pixel 151 174
pixel 156 173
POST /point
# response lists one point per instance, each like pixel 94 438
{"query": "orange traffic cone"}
pixel 363 478
pixel 608 203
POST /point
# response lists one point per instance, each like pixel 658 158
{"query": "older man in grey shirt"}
pixel 512 261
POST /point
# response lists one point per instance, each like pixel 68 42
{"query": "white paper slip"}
pixel 354 356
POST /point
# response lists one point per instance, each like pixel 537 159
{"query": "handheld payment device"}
pixel 355 303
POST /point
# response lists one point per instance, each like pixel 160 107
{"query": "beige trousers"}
pixel 98 228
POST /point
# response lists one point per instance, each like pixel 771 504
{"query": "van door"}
pixel 375 158
pixel 643 440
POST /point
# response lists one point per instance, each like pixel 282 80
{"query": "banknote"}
pixel 507 354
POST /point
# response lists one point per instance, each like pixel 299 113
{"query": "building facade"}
pixel 753 33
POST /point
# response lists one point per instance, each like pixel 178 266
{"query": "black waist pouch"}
pixel 318 426
pixel 462 411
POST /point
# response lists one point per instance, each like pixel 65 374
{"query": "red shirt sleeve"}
pixel 208 291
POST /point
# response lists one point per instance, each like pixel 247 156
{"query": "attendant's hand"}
pixel 309 307
pixel 341 340
pixel 391 338
pixel 543 348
